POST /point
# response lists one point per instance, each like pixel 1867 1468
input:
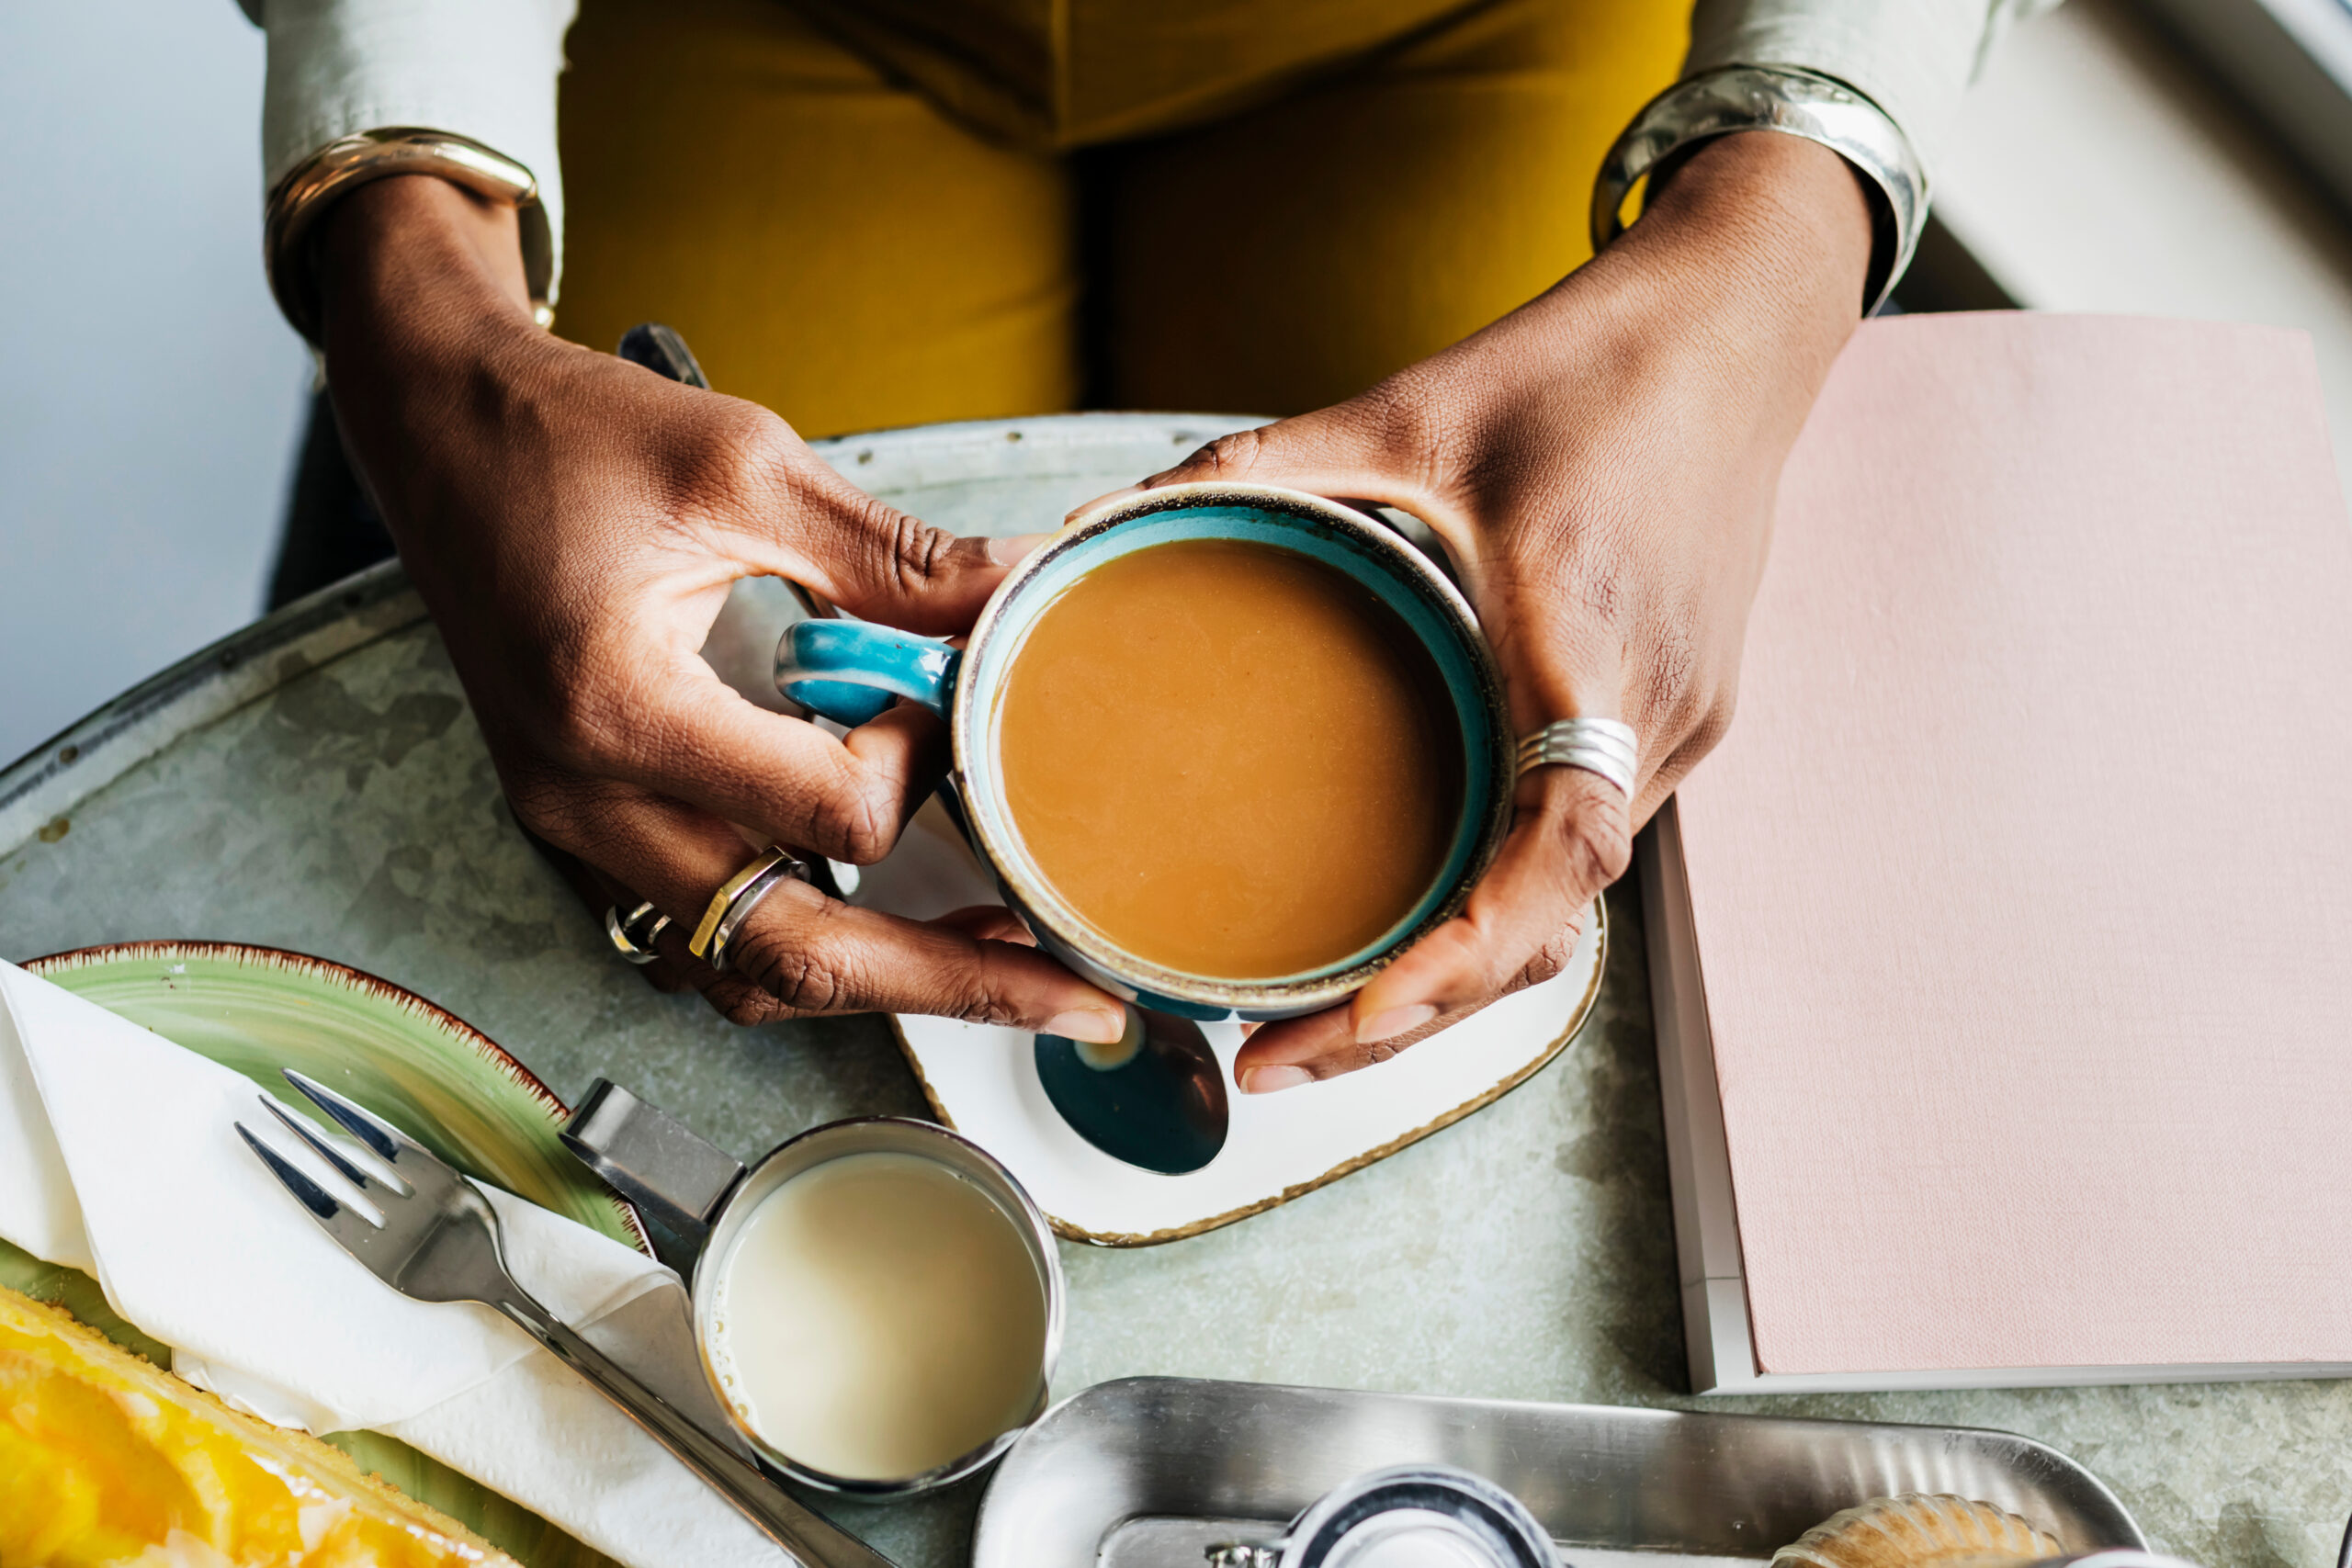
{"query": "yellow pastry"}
pixel 106 1459
pixel 1915 1530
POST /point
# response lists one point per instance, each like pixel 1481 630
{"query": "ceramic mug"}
pixel 850 671
pixel 700 1197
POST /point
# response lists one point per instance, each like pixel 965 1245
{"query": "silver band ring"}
pixel 632 944
pixel 1602 745
pixel 735 899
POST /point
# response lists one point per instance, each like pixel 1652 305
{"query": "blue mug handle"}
pixel 849 671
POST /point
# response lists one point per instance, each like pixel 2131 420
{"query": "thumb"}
pixel 1340 451
pixel 882 564
pixel 1571 838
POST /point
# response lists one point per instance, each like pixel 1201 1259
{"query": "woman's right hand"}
pixel 574 522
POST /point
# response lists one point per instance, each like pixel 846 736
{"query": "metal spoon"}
pixel 1154 1100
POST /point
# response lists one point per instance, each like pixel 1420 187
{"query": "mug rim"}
pixel 1029 1220
pixel 1276 996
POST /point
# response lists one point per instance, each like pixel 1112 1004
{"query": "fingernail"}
pixel 1100 501
pixel 1267 1080
pixel 1014 551
pixel 1388 1025
pixel 1092 1025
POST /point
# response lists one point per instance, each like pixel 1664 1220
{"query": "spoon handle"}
pixel 811 1538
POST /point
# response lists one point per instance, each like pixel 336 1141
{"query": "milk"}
pixel 877 1316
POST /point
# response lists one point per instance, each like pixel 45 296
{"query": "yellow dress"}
pixel 878 212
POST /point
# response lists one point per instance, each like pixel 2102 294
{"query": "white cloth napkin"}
pixel 118 1156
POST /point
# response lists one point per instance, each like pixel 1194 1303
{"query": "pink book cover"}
pixel 2022 884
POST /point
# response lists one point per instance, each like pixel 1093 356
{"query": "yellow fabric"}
pixel 873 226
pixel 1063 74
pixel 829 242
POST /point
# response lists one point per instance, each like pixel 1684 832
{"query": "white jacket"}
pixel 487 69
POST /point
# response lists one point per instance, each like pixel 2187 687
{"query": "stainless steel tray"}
pixel 1147 1471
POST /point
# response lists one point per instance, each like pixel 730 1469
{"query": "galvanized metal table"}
pixel 315 783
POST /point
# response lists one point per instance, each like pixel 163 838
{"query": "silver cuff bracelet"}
pixel 1795 102
pixel 344 165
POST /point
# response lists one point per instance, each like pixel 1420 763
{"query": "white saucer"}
pixel 981 1079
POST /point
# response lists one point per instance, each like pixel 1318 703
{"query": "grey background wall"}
pixel 148 392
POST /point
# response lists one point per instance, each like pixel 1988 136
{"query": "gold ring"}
pixel 735 898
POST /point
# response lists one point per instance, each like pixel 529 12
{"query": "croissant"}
pixel 106 1459
pixel 1915 1530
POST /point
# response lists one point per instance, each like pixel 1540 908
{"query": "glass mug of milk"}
pixel 878 1303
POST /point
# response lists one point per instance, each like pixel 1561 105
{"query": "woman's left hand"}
pixel 1601 464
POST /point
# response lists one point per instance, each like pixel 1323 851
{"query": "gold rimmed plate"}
pixel 981 1079
pixel 257 1010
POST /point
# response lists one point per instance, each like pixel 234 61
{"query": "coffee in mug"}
pixel 1230 758
pixel 1227 750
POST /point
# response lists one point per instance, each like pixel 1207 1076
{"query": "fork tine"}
pixel 320 1147
pixel 352 1229
pixel 314 1197
pixel 380 1137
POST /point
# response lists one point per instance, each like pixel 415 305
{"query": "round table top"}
pixel 315 783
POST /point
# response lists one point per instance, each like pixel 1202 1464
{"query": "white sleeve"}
pixel 485 69
pixel 1913 58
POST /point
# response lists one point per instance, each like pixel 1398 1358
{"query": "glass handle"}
pixel 675 1177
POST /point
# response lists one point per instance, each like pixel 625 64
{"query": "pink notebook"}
pixel 2002 952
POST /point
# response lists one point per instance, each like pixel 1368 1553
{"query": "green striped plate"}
pixel 257 1009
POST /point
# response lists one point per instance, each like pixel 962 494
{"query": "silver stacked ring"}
pixel 632 943
pixel 735 900
pixel 1602 745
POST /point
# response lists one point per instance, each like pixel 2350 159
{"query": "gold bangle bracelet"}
pixel 296 205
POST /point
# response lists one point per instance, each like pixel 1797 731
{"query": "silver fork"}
pixel 438 1242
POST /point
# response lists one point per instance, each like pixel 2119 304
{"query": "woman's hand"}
pixel 574 522
pixel 1602 463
